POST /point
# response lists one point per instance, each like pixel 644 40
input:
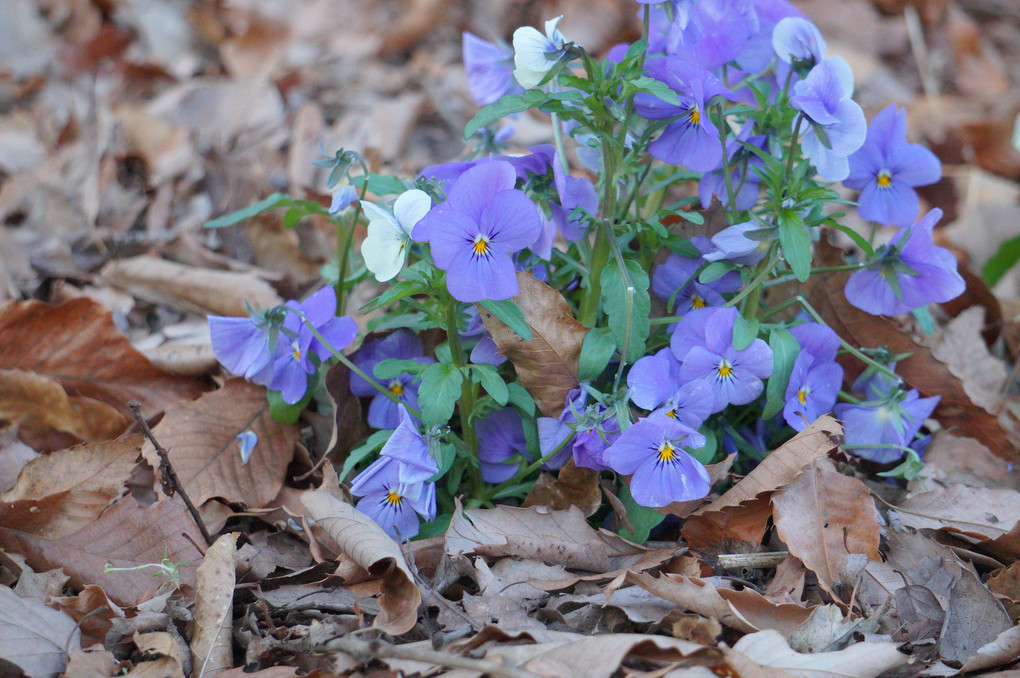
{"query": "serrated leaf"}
pixel 784 351
pixel 439 392
pixel 283 412
pixel 521 399
pixel 628 308
pixel 380 184
pixel 489 378
pixel 267 203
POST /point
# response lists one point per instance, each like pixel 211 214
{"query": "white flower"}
pixel 389 235
pixel 535 54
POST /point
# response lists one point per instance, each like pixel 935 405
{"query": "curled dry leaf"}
pixel 824 516
pixel 347 424
pixel 201 438
pixel 921 370
pixel 989 516
pixel 364 541
pixel 33 636
pixel 769 648
pixel 547 364
pixel 974 618
pixel 911 559
pixel 163 529
pixel 963 351
pixel 1005 648
pixel 191 288
pixel 38 403
pixel 743 512
pixel 211 638
pixel 572 486
pixel 553 537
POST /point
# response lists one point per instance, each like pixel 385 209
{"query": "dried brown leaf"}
pixel 33 636
pixel 861 660
pixel 824 516
pixel 124 536
pixel 211 639
pixel 973 619
pixel 978 513
pixel 921 370
pixel 190 288
pixel 364 541
pixel 348 426
pixel 960 347
pixel 547 364
pixel 77 345
pixel 92 610
pixel 572 486
pixel 787 587
pixel 1002 650
pixel 201 437
pixel 963 461
pixel 38 403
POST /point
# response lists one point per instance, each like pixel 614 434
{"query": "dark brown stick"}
pixel 168 477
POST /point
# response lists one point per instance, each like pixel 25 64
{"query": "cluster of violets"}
pixel 476 223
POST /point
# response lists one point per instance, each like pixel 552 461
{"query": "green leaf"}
pixel 394 367
pixel 521 399
pixel 656 88
pixel 361 452
pixel 706 453
pixel 438 393
pixel 489 378
pixel 714 271
pixel 284 412
pixel 796 242
pixel 784 351
pixel 694 217
pixel 924 319
pixel 1004 259
pixel 858 239
pixel 268 203
pixel 596 352
pixel 380 184
pixel 628 308
pixel 641 518
pixel 510 103
pixel 744 332
pixel 434 528
pixel 510 314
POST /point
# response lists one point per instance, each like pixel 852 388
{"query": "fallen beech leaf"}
pixel 861 660
pixel 964 461
pixel 201 438
pixel 974 618
pixel 743 511
pixel 1002 650
pixel 716 473
pixel 77 345
pixel 163 529
pixel 960 347
pixel 746 611
pixel 39 403
pixel 93 475
pixel 211 640
pixel 33 636
pixel 547 364
pixel 911 559
pixel 361 538
pixel 91 663
pixel 191 288
pixel 14 455
pixel 921 370
pixel 348 427
pixel 977 513
pixel 163 643
pixel 572 486
pixel 553 537
pixel 823 516
pixel 787 587
pixel 92 610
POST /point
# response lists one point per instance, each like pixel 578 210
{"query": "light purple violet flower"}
pixel 675 279
pixel 292 361
pixel 692 139
pixel 485 351
pixel 758 52
pixel 886 169
pixel 476 230
pixel 500 438
pixel 796 39
pixel 835 125
pixel 401 344
pixel 733 245
pixel 588 428
pixel 242 345
pixel 894 420
pixel 703 342
pixel 662 472
pixel 744 179
pixel 680 9
pixel 717 32
pixel 407 446
pixel 391 503
pixel 908 273
pixel 344 197
pixel 654 384
pixel 816 376
pixel 490 69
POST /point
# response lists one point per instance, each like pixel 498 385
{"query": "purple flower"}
pixel 744 179
pixel 407 446
pixel 344 197
pixel 500 438
pixel 894 420
pixel 490 69
pixel 391 503
pixel 292 360
pixel 758 52
pixel 476 230
pixel 796 39
pixel 485 351
pixel 654 384
pixel 716 33
pixel 652 452
pixel 676 279
pixel 816 376
pixel 402 344
pixel 692 139
pixel 835 125
pixel 908 273
pixel 591 432
pixel 242 345
pixel 734 245
pixel 703 342
pixel 886 169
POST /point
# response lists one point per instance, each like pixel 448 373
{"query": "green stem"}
pixel 822 269
pixel 343 248
pixel 752 292
pixel 722 127
pixel 467 399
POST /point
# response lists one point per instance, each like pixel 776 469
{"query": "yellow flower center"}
pixel 802 394
pixel 695 116
pixel 884 179
pixel 666 452
pixel 698 302
pixel 396 388
pixel 296 352
pixel 393 498
pixel 725 369
pixel 671 413
pixel 481 245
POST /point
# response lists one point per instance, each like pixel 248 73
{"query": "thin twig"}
pixel 168 477
pixel 382 650
pixel 766 560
